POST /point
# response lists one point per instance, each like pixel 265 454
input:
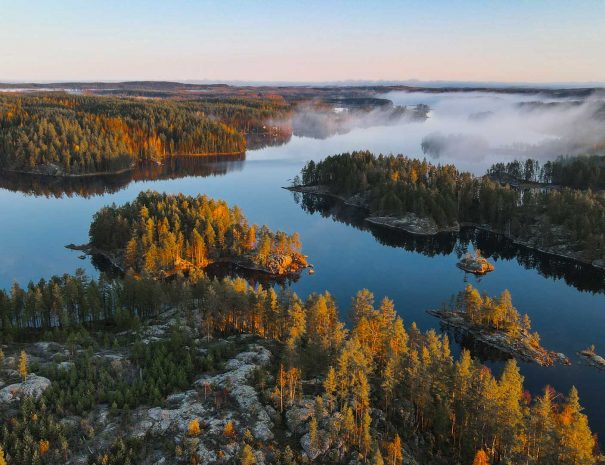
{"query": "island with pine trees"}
pixel 161 235
pixel 497 323
pixel 420 198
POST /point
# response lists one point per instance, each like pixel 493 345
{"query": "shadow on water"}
pixel 90 186
pixel 583 277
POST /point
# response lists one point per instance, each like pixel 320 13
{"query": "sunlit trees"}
pixel 247 455
pixel 193 428
pixel 577 442
pixel 77 134
pixel 23 368
pixel 481 458
pixel 164 233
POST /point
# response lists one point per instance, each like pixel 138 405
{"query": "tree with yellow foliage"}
pixel 2 459
pixel 23 365
pixel 229 430
pixel 247 456
pixel 577 441
pixel 395 454
pixel 481 458
pixel 194 428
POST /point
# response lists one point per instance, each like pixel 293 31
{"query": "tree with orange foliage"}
pixel 43 446
pixel 2 459
pixel 481 458
pixel 394 449
pixel 229 430
pixel 577 441
pixel 194 428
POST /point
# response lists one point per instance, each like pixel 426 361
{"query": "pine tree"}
pixel 247 455
pixel 395 454
pixel 481 458
pixel 330 388
pixel 313 437
pixel 229 430
pixel 376 456
pixel 577 441
pixel 193 429
pixel 366 435
pixel 23 365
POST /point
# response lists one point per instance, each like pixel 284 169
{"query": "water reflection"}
pixel 90 186
pixel 582 277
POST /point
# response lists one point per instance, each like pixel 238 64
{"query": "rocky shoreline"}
pixel 592 358
pixel 519 347
pixel 413 224
pixel 279 266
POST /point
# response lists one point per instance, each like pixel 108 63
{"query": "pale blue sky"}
pixel 530 41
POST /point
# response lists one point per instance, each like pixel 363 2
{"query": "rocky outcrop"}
pixel 593 359
pixel 235 380
pixel 412 224
pixel 34 386
pixel 298 415
pixel 475 264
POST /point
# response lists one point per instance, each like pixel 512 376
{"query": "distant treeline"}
pixel 67 134
pixel 161 232
pixel 580 172
pixel 394 185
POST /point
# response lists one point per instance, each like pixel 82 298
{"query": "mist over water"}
pixel 475 129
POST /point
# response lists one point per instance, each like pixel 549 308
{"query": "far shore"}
pixel 402 223
pixel 61 174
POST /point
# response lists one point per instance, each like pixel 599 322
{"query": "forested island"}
pixel 161 235
pixel 497 323
pixel 201 371
pixel 421 198
pixel 72 135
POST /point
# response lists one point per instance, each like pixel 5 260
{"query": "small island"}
pixel 475 263
pixel 497 323
pixel 161 235
pixel 590 355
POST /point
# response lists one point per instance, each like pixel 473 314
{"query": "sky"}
pixel 533 41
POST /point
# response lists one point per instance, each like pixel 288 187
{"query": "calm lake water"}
pixel 565 301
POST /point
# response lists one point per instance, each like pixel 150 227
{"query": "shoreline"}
pixel 93 174
pixel 392 223
pixel 499 340
pixel 295 268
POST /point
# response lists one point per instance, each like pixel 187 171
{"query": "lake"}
pixel 565 301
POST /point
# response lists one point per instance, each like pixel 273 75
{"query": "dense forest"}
pixel 395 185
pixel 67 134
pixel 579 172
pixel 158 233
pixel 383 385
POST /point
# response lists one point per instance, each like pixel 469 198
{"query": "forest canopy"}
pixel 379 364
pixel 159 232
pixel 395 185
pixel 74 134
